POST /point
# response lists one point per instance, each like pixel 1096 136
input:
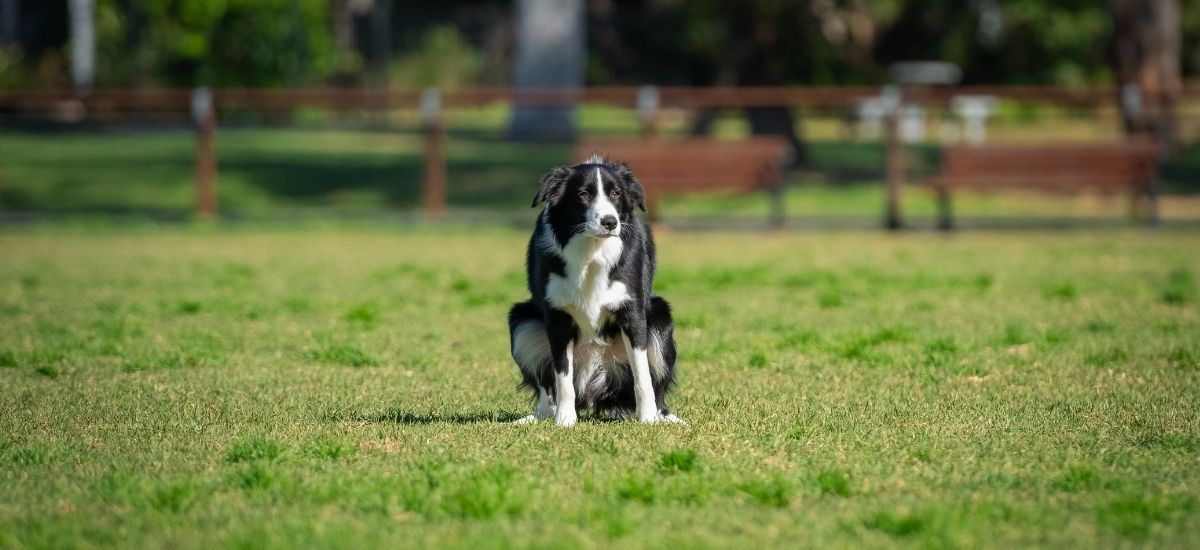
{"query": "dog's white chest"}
pixel 585 291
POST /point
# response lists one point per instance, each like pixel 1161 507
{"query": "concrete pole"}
pixel 550 54
pixel 894 157
pixel 433 177
pixel 83 44
pixel 204 114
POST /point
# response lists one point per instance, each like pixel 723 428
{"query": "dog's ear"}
pixel 633 187
pixel 553 186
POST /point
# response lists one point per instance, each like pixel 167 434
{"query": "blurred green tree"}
pixel 442 58
pixel 214 42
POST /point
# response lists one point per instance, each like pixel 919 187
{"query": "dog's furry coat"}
pixel 593 335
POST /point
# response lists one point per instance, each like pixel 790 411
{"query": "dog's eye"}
pixel 584 195
pixel 614 194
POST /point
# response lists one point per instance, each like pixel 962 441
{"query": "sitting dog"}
pixel 594 335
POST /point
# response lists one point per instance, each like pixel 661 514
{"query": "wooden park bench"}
pixel 693 165
pixel 1127 167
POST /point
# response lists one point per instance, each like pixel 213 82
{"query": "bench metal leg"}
pixel 945 215
pixel 894 172
pixel 653 214
pixel 891 220
pixel 777 215
pixel 1151 206
pixel 1143 206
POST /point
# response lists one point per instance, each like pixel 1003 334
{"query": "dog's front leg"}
pixel 564 387
pixel 562 348
pixel 643 388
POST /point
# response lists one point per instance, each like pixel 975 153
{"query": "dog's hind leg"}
pixel 661 355
pixel 543 410
pixel 531 351
pixel 635 334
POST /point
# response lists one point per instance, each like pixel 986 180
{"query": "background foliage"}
pixel 409 43
pixel 215 42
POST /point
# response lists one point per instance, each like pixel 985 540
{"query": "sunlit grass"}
pixel 200 387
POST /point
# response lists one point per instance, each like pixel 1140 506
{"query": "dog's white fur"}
pixel 585 291
pixel 599 209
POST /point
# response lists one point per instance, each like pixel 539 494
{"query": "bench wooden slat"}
pixel 1016 163
pixel 1017 166
pixel 1057 167
pixel 1058 183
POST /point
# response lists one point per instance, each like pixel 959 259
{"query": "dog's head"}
pixel 593 198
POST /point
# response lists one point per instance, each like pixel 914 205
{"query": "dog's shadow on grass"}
pixel 399 416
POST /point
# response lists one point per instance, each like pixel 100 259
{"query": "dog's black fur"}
pixel 643 316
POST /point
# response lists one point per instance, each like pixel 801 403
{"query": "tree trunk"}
pixel 381 39
pixel 550 54
pixel 135 36
pixel 764 121
pixel 8 21
pixel 778 121
pixel 343 26
pixel 748 62
pixel 1147 52
pixel 83 44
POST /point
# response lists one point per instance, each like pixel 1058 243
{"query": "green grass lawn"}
pixel 203 387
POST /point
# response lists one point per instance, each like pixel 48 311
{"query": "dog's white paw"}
pixel 527 420
pixel 658 418
pixel 671 418
pixel 566 420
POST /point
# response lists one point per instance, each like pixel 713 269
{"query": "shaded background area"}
pixel 68 161
pixel 472 42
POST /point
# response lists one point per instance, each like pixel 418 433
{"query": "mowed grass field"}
pixel 199 387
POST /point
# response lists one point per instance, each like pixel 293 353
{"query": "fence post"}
pixel 894 156
pixel 204 114
pixel 433 180
pixel 647 108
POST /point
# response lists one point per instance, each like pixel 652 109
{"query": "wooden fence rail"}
pixel 180 103
pixel 178 100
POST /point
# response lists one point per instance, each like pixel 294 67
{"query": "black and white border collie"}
pixel 593 336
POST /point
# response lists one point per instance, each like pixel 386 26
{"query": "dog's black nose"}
pixel 609 222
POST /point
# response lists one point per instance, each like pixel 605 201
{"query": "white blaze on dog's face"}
pixel 603 220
